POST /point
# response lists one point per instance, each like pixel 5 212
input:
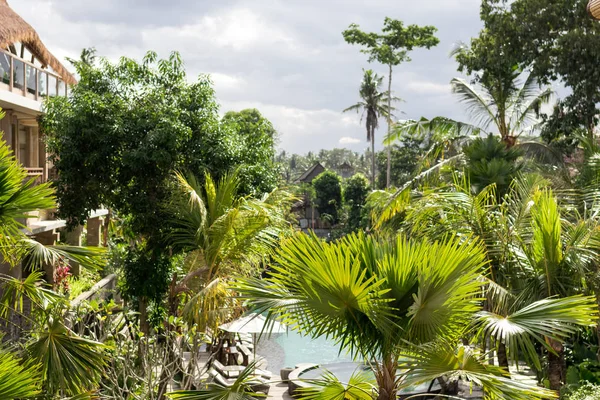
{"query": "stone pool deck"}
pixel 279 390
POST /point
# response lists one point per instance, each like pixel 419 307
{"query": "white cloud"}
pixel 428 88
pixel 349 140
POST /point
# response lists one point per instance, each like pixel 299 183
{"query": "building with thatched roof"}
pixel 29 73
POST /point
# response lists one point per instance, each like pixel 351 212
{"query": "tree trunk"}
pixel 389 122
pixel 502 356
pixel 373 157
pixel 555 364
pixel 386 379
pixel 143 309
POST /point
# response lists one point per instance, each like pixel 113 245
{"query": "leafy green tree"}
pixel 373 105
pixel 328 192
pixel 126 127
pixel 356 190
pixel 391 48
pixel 406 161
pixel 518 33
pixel 382 300
pixel 254 140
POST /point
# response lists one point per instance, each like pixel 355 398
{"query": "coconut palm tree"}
pixel 383 299
pixel 508 108
pixel 373 105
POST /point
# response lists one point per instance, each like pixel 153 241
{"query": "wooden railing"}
pixel 34 171
pixel 31 81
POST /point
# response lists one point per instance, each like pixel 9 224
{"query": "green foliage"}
pixel 587 391
pixel 70 364
pixel 356 190
pixel 241 389
pixel 328 191
pixel 125 129
pixel 405 161
pixel 82 283
pixel 361 386
pixel 490 162
pixel 17 379
pixel 391 47
pixel 516 34
pixel 255 140
pixel 147 273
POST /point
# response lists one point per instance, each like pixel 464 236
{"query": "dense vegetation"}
pixel 477 257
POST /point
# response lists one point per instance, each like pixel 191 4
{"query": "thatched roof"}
pixel 13 29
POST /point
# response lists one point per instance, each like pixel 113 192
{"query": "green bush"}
pixel 587 391
pixel 328 190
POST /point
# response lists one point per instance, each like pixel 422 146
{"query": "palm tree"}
pixel 534 255
pixel 507 108
pixel 373 105
pixel 385 299
pixel 222 234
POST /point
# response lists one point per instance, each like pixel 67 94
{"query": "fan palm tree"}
pixel 379 299
pixel 534 254
pixel 373 105
pixel 507 108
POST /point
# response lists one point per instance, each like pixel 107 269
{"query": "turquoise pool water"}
pixel 289 349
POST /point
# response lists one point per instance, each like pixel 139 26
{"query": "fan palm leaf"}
pixel 69 364
pixel 18 380
pixel 240 389
pixel 441 360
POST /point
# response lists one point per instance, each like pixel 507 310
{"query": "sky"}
pixel 287 58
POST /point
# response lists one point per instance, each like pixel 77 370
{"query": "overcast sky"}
pixel 285 57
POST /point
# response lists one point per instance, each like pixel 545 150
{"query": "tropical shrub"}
pixel 328 192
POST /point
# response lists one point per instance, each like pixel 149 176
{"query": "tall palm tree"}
pixel 373 105
pixel 507 108
pixel 389 299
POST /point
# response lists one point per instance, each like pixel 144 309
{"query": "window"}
pixel 23 142
pixel 5 68
pixel 30 71
pixel 61 87
pixel 51 86
pixel 42 84
pixel 18 74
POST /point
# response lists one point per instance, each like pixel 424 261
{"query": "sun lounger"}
pixel 230 371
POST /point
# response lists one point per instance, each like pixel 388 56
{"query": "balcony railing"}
pixel 20 76
pixel 34 171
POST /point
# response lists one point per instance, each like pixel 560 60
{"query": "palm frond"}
pixel 361 386
pixel 69 364
pixel 441 360
pixel 18 380
pixel 549 318
pixel 478 106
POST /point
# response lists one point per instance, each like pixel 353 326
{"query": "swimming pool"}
pixel 290 349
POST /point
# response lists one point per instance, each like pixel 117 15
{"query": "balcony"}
pixel 24 78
